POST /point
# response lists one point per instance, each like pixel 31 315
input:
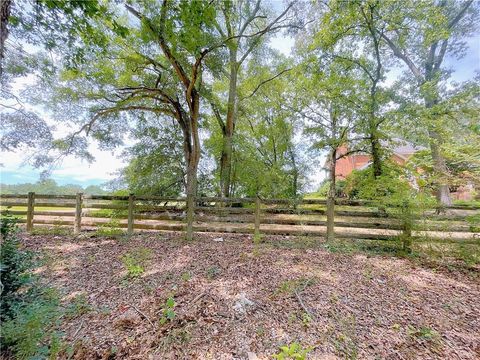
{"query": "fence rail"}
pixel 360 219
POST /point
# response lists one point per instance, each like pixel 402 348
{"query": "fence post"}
pixel 78 214
pixel 256 235
pixel 131 210
pixel 30 209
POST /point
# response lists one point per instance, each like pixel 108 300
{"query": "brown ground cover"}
pixel 341 305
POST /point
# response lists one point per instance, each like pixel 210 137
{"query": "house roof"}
pixel 402 147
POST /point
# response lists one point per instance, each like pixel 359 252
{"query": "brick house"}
pixel 401 152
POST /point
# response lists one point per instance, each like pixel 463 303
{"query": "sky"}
pixel 71 170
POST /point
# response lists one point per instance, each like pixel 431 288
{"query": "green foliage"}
pixel 423 333
pixel 135 261
pixel 78 306
pixel 325 187
pixel 390 186
pixel 29 332
pixel 213 272
pixel 15 264
pixel 168 311
pixel 110 228
pixel 292 351
pixel 29 311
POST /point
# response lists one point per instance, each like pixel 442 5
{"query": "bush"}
pixel 28 311
pixel 339 188
pixel 392 193
pixel 361 184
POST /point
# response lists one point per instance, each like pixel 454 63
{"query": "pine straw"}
pixel 362 307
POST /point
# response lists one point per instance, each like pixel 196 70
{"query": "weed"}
pixel 213 272
pixel 292 351
pixel 78 306
pixel 306 319
pixel 135 261
pixel 186 276
pixel 168 311
pixel 58 230
pixel 290 286
pixel 423 333
pixel 260 331
pixel 110 229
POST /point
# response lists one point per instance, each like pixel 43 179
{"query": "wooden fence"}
pixel 306 217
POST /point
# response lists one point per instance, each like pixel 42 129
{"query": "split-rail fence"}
pixel 354 219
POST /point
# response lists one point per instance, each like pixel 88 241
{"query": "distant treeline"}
pixel 50 186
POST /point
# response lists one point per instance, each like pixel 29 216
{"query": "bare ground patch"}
pixel 343 306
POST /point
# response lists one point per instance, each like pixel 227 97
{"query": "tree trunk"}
pixel 227 148
pixel 331 198
pixel 376 158
pixel 439 164
pixel 191 194
pixel 440 169
pixel 192 157
pixel 5 6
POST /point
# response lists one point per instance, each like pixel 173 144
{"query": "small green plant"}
pixel 135 261
pixel 78 306
pixel 292 351
pixel 306 319
pixel 51 230
pixel 168 311
pixel 186 276
pixel 213 272
pixel 290 286
pixel 424 333
pixel 110 229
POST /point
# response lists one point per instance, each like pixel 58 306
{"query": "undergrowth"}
pixel 30 312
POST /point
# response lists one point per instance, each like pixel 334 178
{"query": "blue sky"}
pixel 72 170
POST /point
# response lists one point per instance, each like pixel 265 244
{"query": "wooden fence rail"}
pixel 354 218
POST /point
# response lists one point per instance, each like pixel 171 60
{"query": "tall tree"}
pixel 351 32
pixel 243 26
pixel 421 35
pixel 154 67
pixel 329 105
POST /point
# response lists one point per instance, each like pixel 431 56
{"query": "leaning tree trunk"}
pixel 331 198
pixel 227 148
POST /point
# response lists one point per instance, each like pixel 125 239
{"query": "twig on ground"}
pixel 303 305
pixel 142 314
pixel 78 330
pixel 198 297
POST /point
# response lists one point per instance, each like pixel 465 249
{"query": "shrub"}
pixel 392 193
pixel 339 188
pixel 29 311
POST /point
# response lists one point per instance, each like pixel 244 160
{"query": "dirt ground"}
pixel 235 300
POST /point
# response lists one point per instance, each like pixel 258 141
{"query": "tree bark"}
pixel 5 6
pixel 227 148
pixel 192 157
pixel 376 155
pixel 439 164
pixel 331 198
pixel 440 168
